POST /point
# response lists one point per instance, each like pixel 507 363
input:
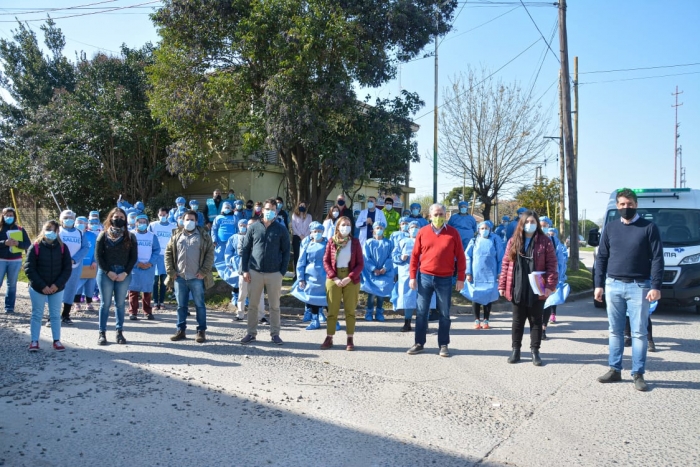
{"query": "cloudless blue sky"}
pixel 625 127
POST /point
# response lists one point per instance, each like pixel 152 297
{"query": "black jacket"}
pixel 49 267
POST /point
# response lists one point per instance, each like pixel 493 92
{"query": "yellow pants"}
pixel 348 295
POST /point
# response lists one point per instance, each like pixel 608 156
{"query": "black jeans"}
pixel 546 313
pixel 477 310
pixel 159 289
pixel 296 244
pixel 532 314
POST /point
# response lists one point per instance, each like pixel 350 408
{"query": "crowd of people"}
pixel 403 260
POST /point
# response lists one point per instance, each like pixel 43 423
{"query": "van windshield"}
pixel 678 227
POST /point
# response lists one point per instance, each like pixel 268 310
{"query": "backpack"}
pixel 36 248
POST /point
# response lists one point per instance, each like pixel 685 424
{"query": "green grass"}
pixel 22 276
pixel 587 248
pixel 580 280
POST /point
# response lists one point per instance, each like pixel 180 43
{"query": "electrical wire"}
pixel 90 13
pixel 48 10
pixel 641 77
pixel 538 30
pixel 641 68
pixel 544 57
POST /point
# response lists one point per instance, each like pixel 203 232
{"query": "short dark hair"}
pixel 389 199
pixel 279 198
pixel 626 193
pixel 190 212
pixel 372 197
pixel 271 201
pixel 163 210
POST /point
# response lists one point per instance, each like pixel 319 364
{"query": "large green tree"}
pixel 237 77
pixel 541 197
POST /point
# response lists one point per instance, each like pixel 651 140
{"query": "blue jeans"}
pixel 372 299
pixel 442 288
pixel 108 287
pixel 38 302
pixel 182 292
pixel 11 268
pixel 627 299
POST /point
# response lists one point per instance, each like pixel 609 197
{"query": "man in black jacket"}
pixel 630 265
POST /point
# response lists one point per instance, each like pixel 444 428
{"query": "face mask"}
pixel 413 232
pixel 231 196
pixel 118 222
pixel 179 222
pixel 249 206
pixel 317 236
pixel 341 202
pixel 132 222
pixel 226 212
pixel 438 222
pixel 379 233
pixel 242 230
pixel 93 226
pixel 142 227
pixel 370 205
pixel 68 223
pixel 280 206
pixel 9 220
pixel 194 207
pixel 627 213
pixel 189 225
pixel 180 205
pixel 404 227
pixel 257 208
pixel 80 227
pixel 344 230
pixel 335 214
pixel 163 219
pixel 302 209
pixel 529 228
pixel 415 212
pixel 270 215
pixel 389 207
pixel 217 197
pixel 462 210
pixel 485 233
pixel 50 235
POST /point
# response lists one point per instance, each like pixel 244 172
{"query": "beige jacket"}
pixel 206 257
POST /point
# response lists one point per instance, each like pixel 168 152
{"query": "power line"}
pixel 641 68
pixel 47 10
pixel 482 81
pixel 642 77
pixel 544 57
pixel 480 25
pixel 538 30
pixel 90 13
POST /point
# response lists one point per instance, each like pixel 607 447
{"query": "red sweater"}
pixel 436 254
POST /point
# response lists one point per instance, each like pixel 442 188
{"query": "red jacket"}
pixel 545 259
pixel 357 262
pixel 436 254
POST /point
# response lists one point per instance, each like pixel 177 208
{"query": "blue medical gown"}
pixel 484 265
pixel 377 255
pixel 406 298
pixel 310 270
pixel 465 225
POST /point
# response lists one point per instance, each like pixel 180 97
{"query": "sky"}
pixel 626 118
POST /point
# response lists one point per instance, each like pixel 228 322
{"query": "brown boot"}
pixel 351 345
pixel 328 343
pixel 178 336
pixel 200 337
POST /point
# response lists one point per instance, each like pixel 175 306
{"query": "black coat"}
pixel 49 267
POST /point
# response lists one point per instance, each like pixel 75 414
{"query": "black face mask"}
pixel 218 198
pixel 250 206
pixel 118 222
pixel 341 202
pixel 627 213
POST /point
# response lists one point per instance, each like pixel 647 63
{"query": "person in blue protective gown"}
pixel 179 208
pixel 510 228
pixel 86 286
pixel 194 205
pixel 163 230
pixel 501 229
pixel 310 286
pixel 378 272
pixel 144 273
pixel 549 314
pixel 395 238
pixel 223 228
pixel 464 223
pixel 484 255
pixel 232 274
pixel 131 221
pixel 239 211
pixel 416 215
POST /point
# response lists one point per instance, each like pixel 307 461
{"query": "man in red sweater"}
pixel 434 253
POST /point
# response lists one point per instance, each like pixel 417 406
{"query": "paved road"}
pixel 154 402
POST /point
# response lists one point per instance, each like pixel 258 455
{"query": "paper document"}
pixel 537 282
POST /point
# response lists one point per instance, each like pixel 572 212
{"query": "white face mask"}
pixel 189 225
pixel 529 228
pixel 344 230
pixel 335 214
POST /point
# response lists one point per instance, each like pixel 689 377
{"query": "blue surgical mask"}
pixel 413 232
pixel 242 230
pixel 189 225
pixel 529 228
pixel 180 205
pixel 462 210
pixel 270 215
pixel 9 220
pixel 485 233
pixel 50 235
pixel 379 232
pixel 163 219
pixel 180 222
pixel 404 227
pixel 388 207
pixel 68 223
pixel 226 211
pixel 142 227
pixel 93 226
pixel 80 227
pixel 194 207
pixel 415 212
pixel 317 236
pixel 370 205
pixel 280 206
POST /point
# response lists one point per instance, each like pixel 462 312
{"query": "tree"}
pixel 425 202
pixel 455 195
pixel 542 197
pixel 491 133
pixel 240 77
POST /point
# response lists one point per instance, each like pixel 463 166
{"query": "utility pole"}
pixel 575 112
pixel 568 138
pixel 562 166
pixel 435 126
pixel 676 135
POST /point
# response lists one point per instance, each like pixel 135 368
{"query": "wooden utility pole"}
pixel 568 139
pixel 562 167
pixel 575 112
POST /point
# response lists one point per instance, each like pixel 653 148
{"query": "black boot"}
pixel 406 325
pixel 536 360
pixel 515 356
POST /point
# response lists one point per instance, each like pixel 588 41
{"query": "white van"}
pixel 676 212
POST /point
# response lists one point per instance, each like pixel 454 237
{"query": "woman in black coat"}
pixel 48 267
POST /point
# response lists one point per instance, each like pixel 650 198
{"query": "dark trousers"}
pixel 159 289
pixel 314 309
pixel 477 310
pixel 628 328
pixel 296 243
pixel 546 313
pixel 134 302
pixel 532 314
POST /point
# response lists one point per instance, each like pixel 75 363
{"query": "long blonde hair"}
pixel 40 237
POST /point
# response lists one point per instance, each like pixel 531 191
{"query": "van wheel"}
pixel 598 304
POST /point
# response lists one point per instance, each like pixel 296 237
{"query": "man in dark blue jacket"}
pixel 630 253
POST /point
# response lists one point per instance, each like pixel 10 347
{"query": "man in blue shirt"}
pixel 630 265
